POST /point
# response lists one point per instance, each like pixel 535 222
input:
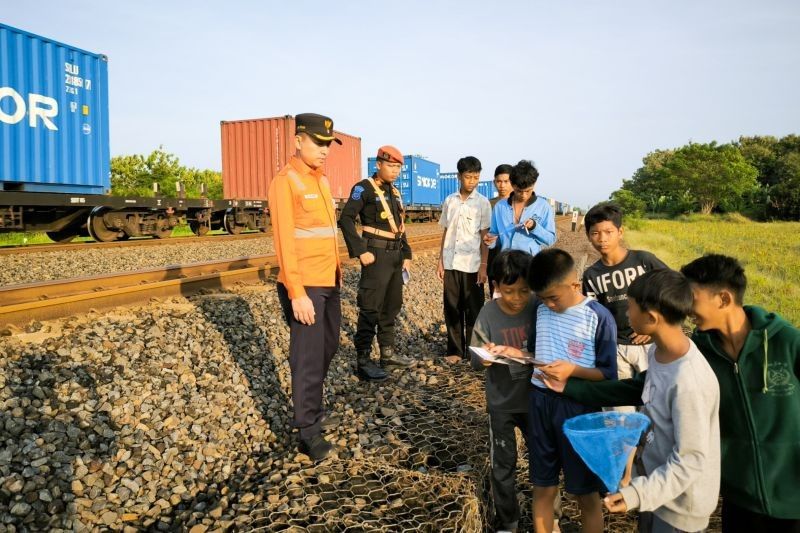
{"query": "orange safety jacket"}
pixel 303 216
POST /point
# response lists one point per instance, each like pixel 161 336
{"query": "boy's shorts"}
pixel 550 450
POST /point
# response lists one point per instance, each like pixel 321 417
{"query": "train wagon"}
pixel 449 184
pixel 418 184
pixel 55 155
pixel 255 150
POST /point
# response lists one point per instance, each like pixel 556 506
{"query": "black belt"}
pixel 384 243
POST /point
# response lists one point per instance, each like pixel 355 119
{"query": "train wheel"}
pixel 230 225
pixel 63 236
pixel 97 227
pixel 162 233
pixel 198 228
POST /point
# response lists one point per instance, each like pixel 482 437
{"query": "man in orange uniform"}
pixel 304 231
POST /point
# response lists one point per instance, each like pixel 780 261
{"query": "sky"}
pixel 584 89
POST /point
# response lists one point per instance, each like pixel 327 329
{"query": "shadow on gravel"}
pixel 47 462
pixel 256 346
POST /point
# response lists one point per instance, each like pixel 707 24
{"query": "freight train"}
pixel 55 158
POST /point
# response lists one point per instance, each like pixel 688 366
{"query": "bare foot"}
pixel 453 359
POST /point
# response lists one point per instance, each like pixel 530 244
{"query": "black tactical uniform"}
pixel 380 291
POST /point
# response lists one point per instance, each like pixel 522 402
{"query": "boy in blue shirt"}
pixel 525 221
pixel 573 336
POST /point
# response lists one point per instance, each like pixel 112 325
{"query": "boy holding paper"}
pixel 505 321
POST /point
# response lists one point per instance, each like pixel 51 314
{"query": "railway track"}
pixel 24 303
pixel 144 241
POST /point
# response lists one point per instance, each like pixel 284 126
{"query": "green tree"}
pixel 711 173
pixel 196 178
pixel 650 183
pixel 785 195
pixel 761 153
pixel 134 175
pixel 630 204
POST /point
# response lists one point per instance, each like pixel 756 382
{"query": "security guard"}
pixel 304 233
pixel 384 253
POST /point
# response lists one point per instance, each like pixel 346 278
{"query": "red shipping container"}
pixel 253 151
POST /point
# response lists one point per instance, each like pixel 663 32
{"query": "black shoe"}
pixel 391 359
pixel 330 422
pixel 368 370
pixel 316 447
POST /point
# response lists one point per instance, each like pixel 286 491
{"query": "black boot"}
pixel 367 370
pixel 316 447
pixel 391 359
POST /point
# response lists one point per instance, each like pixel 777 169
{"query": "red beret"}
pixel 390 154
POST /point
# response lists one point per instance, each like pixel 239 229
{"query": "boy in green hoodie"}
pixel 756 358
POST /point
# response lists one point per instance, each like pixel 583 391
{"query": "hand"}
pixel 558 370
pixel 482 277
pixel 488 347
pixel 440 270
pixel 554 384
pixel 367 258
pixel 407 265
pixel 507 351
pixel 529 224
pixel 489 239
pixel 303 309
pixel 615 503
pixel 640 339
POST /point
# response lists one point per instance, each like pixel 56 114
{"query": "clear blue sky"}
pixel 583 88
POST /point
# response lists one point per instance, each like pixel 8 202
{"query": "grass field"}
pixel 770 253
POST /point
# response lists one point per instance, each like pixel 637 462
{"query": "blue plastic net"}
pixel 605 440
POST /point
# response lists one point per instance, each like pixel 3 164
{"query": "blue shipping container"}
pixel 487 189
pixel 53 116
pixel 418 182
pixel 447 185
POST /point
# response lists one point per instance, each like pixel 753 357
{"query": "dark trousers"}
pixel 503 456
pixel 463 299
pixel 311 349
pixel 380 297
pixel 736 519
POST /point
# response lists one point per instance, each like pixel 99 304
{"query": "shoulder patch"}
pixel 357 190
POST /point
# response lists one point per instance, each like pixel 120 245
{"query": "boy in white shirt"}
pixel 463 256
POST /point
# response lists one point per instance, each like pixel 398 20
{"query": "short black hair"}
pixel 549 267
pixel 664 291
pixel 502 169
pixel 468 164
pixel 524 174
pixel 719 272
pixel 604 212
pixel 509 266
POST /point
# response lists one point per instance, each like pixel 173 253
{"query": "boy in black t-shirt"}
pixel 608 280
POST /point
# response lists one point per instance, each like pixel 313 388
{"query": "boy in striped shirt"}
pixel 572 335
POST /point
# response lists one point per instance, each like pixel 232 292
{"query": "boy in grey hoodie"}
pixel 681 456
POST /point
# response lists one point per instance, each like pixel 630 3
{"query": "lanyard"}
pixel 389 216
